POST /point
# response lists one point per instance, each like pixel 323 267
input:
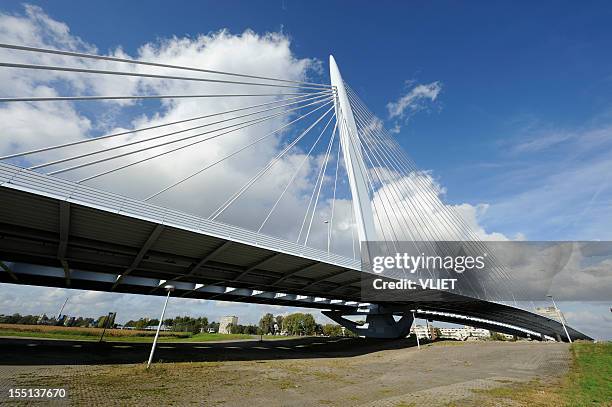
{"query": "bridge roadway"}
pixel 58 233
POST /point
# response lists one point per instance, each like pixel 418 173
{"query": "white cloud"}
pixel 415 211
pixel 415 100
pixel 54 123
pixel 47 123
pixel 36 27
pixel 395 129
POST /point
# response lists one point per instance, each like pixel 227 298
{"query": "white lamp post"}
pixel 168 288
pixel 415 331
pixel 560 318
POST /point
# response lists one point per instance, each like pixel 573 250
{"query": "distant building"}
pixel 154 328
pixel 452 333
pixel 421 331
pixel 477 333
pixel 549 312
pixel 465 333
pixel 225 324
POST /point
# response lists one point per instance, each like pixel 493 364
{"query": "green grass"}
pixel 590 379
pixel 534 393
pixel 86 336
pixel 93 334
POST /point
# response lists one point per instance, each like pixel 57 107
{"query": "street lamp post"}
pixel 560 318
pixel 415 331
pixel 168 288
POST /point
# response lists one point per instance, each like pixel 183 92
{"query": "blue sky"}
pixel 522 123
pixel 510 73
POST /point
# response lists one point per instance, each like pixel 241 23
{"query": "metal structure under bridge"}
pixel 58 230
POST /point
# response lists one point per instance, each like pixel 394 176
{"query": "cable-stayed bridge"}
pixel 329 152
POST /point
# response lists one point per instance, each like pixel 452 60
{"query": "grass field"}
pixel 590 379
pixel 124 335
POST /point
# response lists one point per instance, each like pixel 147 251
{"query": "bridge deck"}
pixel 58 233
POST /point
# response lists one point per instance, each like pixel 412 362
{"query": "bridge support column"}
pixel 353 159
pixel 379 323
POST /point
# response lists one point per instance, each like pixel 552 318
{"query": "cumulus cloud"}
pixel 34 125
pixel 410 207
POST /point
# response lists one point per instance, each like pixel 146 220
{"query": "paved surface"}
pixel 306 372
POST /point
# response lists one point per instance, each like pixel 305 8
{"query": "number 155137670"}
pixel 36 393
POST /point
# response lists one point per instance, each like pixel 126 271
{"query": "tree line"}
pixel 179 323
pixel 45 320
pixel 299 324
pixel 296 324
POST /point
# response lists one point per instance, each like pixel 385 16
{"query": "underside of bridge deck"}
pixel 60 234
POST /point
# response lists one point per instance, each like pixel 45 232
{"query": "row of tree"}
pixel 20 319
pixel 299 324
pixel 245 329
pixel 45 320
pixel 180 324
pixel 269 324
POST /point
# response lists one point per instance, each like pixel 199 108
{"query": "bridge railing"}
pixel 29 181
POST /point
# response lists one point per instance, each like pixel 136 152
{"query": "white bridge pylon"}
pixel 353 158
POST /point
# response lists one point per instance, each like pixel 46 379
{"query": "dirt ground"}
pixel 304 372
